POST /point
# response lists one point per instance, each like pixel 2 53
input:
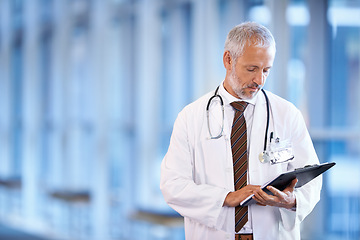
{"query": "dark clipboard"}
pixel 304 175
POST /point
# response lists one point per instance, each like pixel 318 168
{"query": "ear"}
pixel 227 60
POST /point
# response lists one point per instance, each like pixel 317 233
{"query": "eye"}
pixel 251 69
pixel 266 71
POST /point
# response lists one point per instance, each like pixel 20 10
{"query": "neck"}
pixel 229 89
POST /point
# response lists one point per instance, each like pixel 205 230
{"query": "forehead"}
pixel 257 55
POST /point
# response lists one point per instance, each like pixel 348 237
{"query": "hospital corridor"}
pixel 90 90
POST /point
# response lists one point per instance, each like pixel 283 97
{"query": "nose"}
pixel 260 78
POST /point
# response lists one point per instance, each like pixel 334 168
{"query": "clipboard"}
pixel 304 175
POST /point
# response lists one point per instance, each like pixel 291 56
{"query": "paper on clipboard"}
pixel 304 175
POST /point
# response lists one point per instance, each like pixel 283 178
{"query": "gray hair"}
pixel 246 34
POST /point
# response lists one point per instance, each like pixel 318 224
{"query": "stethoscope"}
pixel 262 156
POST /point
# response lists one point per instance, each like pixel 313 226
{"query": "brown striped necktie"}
pixel 239 152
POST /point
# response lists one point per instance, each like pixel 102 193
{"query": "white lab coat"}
pixel 197 172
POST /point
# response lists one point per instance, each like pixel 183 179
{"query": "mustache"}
pixel 254 85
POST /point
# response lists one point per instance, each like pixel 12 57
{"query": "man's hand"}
pixel 283 199
pixel 234 199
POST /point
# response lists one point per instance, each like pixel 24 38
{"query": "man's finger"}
pixel 275 191
pixel 261 204
pixel 264 198
pixel 293 183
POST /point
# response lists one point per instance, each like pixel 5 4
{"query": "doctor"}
pixel 197 173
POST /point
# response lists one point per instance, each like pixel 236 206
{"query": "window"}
pixel 344 110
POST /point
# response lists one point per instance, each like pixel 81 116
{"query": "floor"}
pixel 8 233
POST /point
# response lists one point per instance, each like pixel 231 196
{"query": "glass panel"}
pixel 344 112
pixel 45 101
pixel 177 68
pixel 121 134
pixel 17 13
pixel 176 80
pixel 46 10
pixel 298 18
pixel 17 110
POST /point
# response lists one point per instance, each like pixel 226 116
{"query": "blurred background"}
pixel 90 89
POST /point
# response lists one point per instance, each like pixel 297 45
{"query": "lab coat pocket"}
pixel 280 153
pixel 279 168
pixel 212 161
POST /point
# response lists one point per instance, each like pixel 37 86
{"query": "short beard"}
pixel 234 82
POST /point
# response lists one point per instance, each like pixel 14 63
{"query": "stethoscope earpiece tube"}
pixel 265 156
pixel 267 119
pixel 223 114
pixel 214 96
pixel 223 117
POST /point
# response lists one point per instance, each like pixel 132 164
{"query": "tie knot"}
pixel 239 105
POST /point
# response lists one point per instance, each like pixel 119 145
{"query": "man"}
pixel 200 172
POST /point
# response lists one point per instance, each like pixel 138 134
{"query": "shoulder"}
pixel 276 101
pixel 198 106
pixel 192 117
pixel 287 117
pixel 284 111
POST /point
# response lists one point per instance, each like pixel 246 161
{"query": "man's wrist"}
pixel 227 200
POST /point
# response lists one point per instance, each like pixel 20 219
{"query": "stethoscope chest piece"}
pixel 261 157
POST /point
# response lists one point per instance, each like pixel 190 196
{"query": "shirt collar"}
pixel 228 98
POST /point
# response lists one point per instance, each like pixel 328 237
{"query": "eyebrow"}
pixel 257 66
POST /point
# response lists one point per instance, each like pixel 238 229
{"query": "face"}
pixel 247 75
